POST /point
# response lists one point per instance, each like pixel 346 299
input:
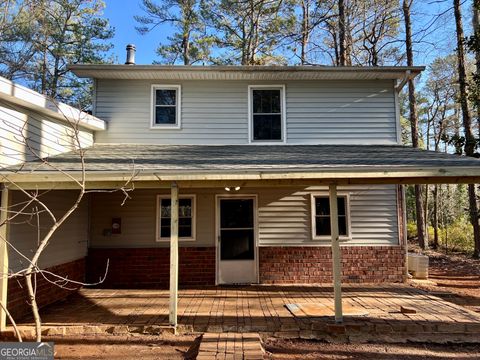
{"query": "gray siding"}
pixel 67 244
pixel 284 217
pixel 216 112
pixel 44 135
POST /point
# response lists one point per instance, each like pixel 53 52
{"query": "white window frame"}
pixel 178 105
pixel 313 214
pixel 283 109
pixel 194 218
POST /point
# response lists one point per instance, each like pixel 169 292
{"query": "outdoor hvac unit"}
pixel 418 266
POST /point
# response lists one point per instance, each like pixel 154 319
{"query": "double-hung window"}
pixel 186 217
pixel 321 217
pixel 166 106
pixel 267 113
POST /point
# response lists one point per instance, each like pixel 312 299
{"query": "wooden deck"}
pixel 262 309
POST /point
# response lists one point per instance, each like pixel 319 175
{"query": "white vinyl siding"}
pixel 45 136
pixel 216 112
pixel 284 217
pixel 69 242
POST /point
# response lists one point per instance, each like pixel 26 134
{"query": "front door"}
pixel 236 248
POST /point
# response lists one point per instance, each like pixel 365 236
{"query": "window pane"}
pixel 342 204
pixel 165 97
pixel 165 208
pixel 342 225
pixel 236 213
pixel 266 101
pixel 165 115
pixel 323 226
pixel 185 220
pixel 322 212
pixel 267 127
pixel 237 245
pixel 322 206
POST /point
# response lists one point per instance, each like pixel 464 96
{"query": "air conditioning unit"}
pixel 418 265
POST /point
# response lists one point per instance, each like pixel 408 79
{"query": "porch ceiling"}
pixel 152 165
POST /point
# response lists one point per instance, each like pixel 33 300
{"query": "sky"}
pixel 120 13
pixel 439 40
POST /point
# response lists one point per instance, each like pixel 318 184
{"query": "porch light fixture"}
pixel 228 188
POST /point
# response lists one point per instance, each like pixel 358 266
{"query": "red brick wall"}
pixel 47 292
pixel 303 265
pixel 150 267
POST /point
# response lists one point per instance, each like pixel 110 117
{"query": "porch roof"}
pixel 341 164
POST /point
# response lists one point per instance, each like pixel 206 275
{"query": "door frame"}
pixel 219 197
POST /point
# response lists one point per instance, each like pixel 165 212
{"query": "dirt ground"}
pixel 455 278
pixel 306 350
pixel 126 347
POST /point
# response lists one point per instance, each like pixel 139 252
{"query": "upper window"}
pixel 321 228
pixel 267 113
pixel 186 217
pixel 166 106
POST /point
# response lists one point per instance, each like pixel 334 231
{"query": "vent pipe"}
pixel 130 55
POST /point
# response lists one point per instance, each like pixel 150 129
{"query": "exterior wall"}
pixel 303 265
pixel 47 293
pixel 69 242
pixel 150 267
pixel 287 253
pixel 46 136
pixel 284 217
pixel 216 112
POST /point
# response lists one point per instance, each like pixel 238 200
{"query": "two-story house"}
pixel 258 158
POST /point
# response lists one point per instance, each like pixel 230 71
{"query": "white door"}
pixel 236 250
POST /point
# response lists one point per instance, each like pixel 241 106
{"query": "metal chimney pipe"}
pixel 130 55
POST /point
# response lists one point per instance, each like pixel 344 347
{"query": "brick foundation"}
pixel 303 265
pixel 150 267
pixel 47 292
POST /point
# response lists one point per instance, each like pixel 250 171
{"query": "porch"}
pixel 262 309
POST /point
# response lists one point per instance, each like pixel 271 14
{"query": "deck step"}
pixel 231 346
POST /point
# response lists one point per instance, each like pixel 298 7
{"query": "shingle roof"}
pixel 186 159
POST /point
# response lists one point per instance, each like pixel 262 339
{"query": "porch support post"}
pixel 336 257
pixel 4 255
pixel 174 256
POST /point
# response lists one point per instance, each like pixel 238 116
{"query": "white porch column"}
pixel 336 257
pixel 173 255
pixel 4 256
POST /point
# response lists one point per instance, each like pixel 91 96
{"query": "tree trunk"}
pixel 305 30
pixel 341 32
pixel 414 123
pixel 467 122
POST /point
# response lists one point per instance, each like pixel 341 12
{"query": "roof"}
pixel 27 98
pixel 342 163
pixel 269 73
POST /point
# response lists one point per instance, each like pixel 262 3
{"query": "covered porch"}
pixel 180 168
pixel 262 309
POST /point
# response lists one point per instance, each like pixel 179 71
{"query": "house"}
pixel 281 175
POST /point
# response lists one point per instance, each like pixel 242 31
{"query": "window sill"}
pixel 165 127
pixel 328 238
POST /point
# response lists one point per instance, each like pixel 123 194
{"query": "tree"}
pixel 57 33
pixel 249 32
pixel 344 59
pixel 422 237
pixel 469 138
pixel 188 44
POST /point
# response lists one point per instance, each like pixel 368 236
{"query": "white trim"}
pixel 178 105
pixel 218 197
pixel 20 95
pixel 194 218
pixel 283 110
pixel 398 124
pixel 314 195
